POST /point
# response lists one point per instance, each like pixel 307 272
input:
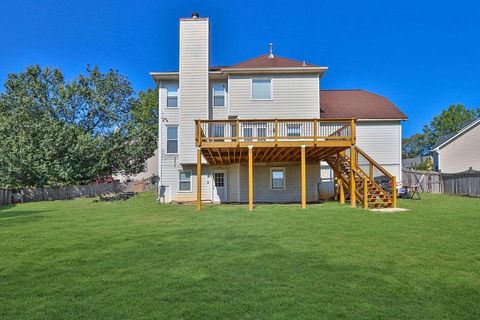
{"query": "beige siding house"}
pixel 260 130
pixel 459 152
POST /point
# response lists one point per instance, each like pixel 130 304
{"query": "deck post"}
pixel 276 132
pixel 250 178
pixel 365 193
pixel 304 178
pixel 394 191
pixel 199 178
pixel 353 196
pixel 342 191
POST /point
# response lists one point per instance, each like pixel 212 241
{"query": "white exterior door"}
pixel 219 186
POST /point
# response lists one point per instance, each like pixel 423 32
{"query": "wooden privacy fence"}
pixel 72 192
pixel 5 196
pixel 427 181
pixel 465 183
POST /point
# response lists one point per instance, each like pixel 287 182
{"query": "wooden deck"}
pixel 224 142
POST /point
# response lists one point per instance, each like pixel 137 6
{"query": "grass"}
pixel 138 260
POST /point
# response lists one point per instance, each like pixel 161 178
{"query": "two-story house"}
pixel 262 130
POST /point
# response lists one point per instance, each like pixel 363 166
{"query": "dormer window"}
pixel 261 89
pixel 172 95
pixel 218 94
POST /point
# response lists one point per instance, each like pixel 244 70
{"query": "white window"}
pixel 218 95
pixel 172 95
pixel 261 89
pixel 218 130
pixel 293 130
pixel 277 178
pixel 172 139
pixel 185 181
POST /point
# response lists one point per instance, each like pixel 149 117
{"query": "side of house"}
pixel 265 87
pixel 459 152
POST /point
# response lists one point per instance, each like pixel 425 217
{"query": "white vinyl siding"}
pixel 382 141
pixel 292 192
pixel 194 85
pixel 294 96
pixel 462 153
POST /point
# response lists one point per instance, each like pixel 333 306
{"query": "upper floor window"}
pixel 261 89
pixel 172 95
pixel 172 139
pixel 218 92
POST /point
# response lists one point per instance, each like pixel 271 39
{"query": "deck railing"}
pixel 274 130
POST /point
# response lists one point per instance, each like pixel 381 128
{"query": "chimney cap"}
pixel 195 15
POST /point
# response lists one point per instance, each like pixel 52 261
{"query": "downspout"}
pixel 159 151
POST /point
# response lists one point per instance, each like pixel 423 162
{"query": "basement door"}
pixel 219 186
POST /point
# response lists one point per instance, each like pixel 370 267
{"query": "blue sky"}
pixel 422 55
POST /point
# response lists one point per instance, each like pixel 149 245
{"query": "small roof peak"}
pixel 270 51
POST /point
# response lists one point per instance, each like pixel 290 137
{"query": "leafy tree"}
pixel 414 146
pixel 425 164
pixel 449 121
pixel 56 132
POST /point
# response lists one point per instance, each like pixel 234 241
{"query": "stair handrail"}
pixel 373 162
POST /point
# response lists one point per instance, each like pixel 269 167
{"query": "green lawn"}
pixel 138 260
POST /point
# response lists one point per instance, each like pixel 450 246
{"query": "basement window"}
pixel 277 179
pixel 185 181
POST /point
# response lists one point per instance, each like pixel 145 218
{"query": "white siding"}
pixel 382 141
pixel 292 192
pixel 194 89
pixel 294 96
pixel 462 153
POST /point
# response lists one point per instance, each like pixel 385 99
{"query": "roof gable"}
pixel 443 140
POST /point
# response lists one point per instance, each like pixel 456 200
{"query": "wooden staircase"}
pixel 375 189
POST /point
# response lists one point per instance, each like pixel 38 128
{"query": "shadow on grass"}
pixel 12 212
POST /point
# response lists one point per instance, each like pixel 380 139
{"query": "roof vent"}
pixel 270 51
pixel 195 15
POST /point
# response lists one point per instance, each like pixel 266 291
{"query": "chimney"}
pixel 193 80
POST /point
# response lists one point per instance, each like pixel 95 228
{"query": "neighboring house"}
pixel 460 151
pixel 151 170
pixel 263 130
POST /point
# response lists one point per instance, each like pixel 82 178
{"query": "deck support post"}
pixel 199 178
pixel 342 191
pixel 304 178
pixel 365 193
pixel 353 166
pixel 394 191
pixel 250 178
